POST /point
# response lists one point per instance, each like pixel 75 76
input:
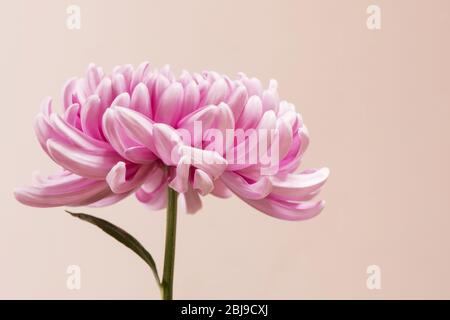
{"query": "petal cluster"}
pixel 124 133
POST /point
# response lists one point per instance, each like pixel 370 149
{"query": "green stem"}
pixel 169 254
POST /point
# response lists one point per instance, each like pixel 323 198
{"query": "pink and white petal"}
pixel 168 107
pixel 283 137
pixel 220 190
pixel 181 179
pixel 155 178
pixel 140 74
pixel 122 100
pixel 237 101
pixel 121 180
pixel 118 84
pixel 104 92
pixel 90 116
pixel 44 131
pixel 249 190
pixel 139 154
pixel 296 186
pixel 202 182
pixel 252 85
pixel 161 84
pixel 270 98
pixel 76 136
pixel 139 127
pixel 110 200
pixel 251 114
pixel 209 161
pixel 191 99
pixel 94 75
pixel 191 202
pixel 81 190
pixel 94 165
pixel 71 115
pixel 68 92
pixel 293 211
pixel 204 117
pixel 167 143
pixel 218 92
pixel 140 100
pixel 155 200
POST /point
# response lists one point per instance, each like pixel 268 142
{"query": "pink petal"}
pixel 251 114
pixel 104 92
pixel 180 182
pixel 118 84
pixel 191 99
pixel 140 100
pixel 71 115
pixel 167 143
pixel 297 186
pixel 237 101
pixel 168 107
pixel 89 164
pixel 217 93
pixel 139 127
pixel 220 190
pixel 120 182
pixel 202 182
pixel 76 136
pixel 90 116
pixel 69 190
pixel 287 210
pixel 191 201
pixel 155 178
pixel 139 74
pixel 68 92
pixel 209 161
pixel 240 186
pixel 122 100
pixel 139 154
pixel 155 200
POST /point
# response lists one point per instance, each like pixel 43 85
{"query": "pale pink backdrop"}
pixel 377 104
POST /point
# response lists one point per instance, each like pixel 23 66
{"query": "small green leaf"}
pixel 123 237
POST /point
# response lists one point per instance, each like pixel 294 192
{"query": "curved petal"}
pixel 139 127
pixel 167 143
pixel 68 92
pixel 209 161
pixel 155 178
pixel 297 186
pixel 94 165
pixel 251 114
pixel 237 101
pixel 140 100
pixel 120 181
pixel 140 155
pixel 191 202
pixel 240 186
pixel 220 190
pixel 69 190
pixel 180 182
pixel 76 136
pixel 217 93
pixel 155 200
pixel 202 182
pixel 168 107
pixel 286 210
pixel 90 116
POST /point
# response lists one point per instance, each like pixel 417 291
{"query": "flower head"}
pixel 141 131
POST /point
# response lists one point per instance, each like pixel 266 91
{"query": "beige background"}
pixel 376 104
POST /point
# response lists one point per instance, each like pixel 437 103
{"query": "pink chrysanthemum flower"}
pixel 124 133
